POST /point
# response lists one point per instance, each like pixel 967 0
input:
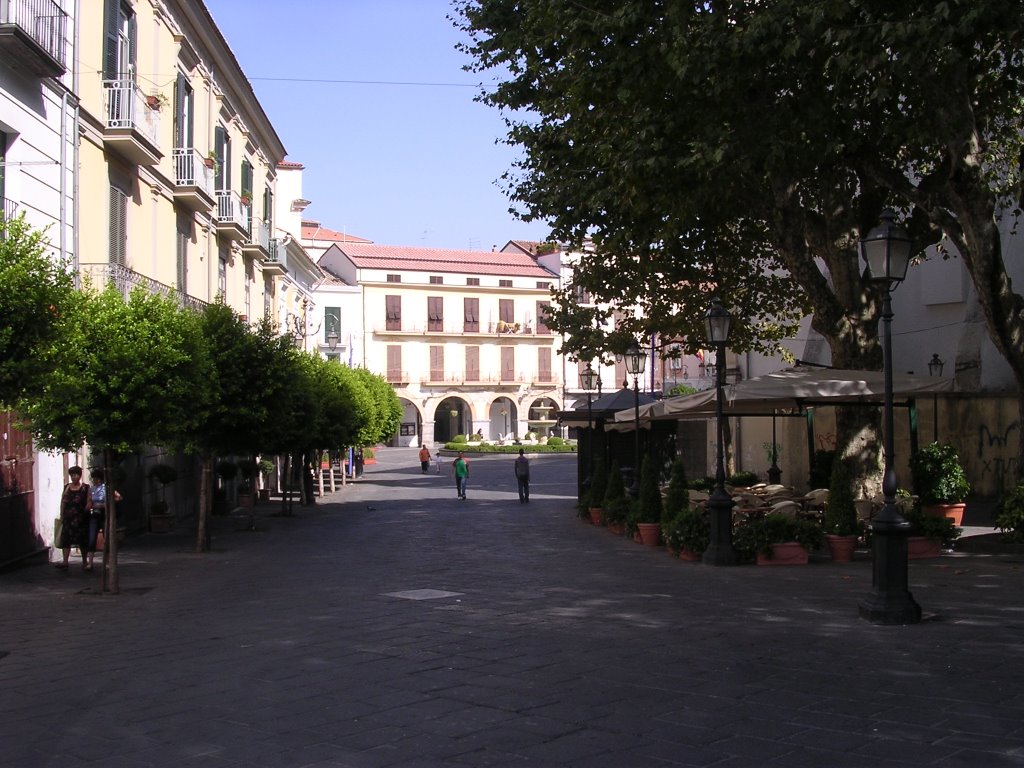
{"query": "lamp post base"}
pixel 720 550
pixel 890 601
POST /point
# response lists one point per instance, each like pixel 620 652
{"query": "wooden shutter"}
pixel 472 363
pixel 544 364
pixel 182 113
pixel 393 310
pixel 395 363
pixel 118 226
pixel 436 362
pixel 435 313
pixel 508 364
pixel 543 307
pixel 506 310
pixel 247 178
pixel 471 315
pixel 222 174
pixel 111 16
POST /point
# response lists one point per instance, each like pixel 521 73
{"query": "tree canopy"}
pixel 732 146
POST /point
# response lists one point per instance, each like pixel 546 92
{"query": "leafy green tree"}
pixel 723 143
pixel 677 497
pixel 127 374
pixel 387 409
pixel 36 295
pixel 650 504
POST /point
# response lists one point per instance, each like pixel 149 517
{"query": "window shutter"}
pixel 506 310
pixel 508 364
pixel 435 313
pixel 544 364
pixel 437 363
pixel 471 312
pixel 472 363
pixel 543 307
pixel 247 178
pixel 129 66
pixel 268 209
pixel 222 177
pixel 393 313
pixel 111 13
pixel 118 226
pixel 394 362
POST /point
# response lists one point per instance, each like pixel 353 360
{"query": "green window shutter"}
pixel 118 246
pixel 222 177
pixel 111 12
pixel 247 178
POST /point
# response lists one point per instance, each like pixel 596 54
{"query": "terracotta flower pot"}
pixel 595 515
pixel 650 534
pixel 785 553
pixel 954 512
pixel 689 555
pixel 617 528
pixel 921 547
pixel 841 547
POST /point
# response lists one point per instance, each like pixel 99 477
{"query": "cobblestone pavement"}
pixel 395 625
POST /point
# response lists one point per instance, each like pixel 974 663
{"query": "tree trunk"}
pixel 205 503
pixel 111 582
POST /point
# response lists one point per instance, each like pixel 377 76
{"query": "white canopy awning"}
pixel 792 389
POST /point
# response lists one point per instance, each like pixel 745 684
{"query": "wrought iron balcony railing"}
pixel 127 280
pixel 127 109
pixel 42 27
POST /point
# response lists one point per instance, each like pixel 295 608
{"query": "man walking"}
pixel 460 469
pixel 521 467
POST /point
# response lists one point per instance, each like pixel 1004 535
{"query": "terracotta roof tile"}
pixel 311 230
pixel 511 264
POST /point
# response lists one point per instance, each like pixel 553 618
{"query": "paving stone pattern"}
pixel 394 625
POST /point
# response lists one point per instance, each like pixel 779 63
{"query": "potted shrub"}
pixel 161 519
pixel 649 506
pixel 157 101
pixel 841 514
pixel 677 495
pixel 689 533
pixel 777 539
pixel 210 161
pixel 245 493
pixel 615 505
pixel 940 481
pixel 1010 514
pixel 598 486
pixel 929 533
pixel 370 455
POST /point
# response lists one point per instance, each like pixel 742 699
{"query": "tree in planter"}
pixel 756 535
pixel 938 475
pixel 677 497
pixel 36 296
pixel 648 510
pixel 598 483
pixel 127 374
pixel 163 475
pixel 841 513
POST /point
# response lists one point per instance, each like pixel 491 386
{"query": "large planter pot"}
pixel 689 555
pixel 650 534
pixel 921 548
pixel 954 512
pixel 161 523
pixel 841 547
pixel 785 553
pixel 245 499
pixel 618 529
pixel 264 494
pixel 595 515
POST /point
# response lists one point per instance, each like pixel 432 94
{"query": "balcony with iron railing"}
pixel 460 328
pixel 276 261
pixel 233 215
pixel 258 244
pixel 193 179
pixel 126 280
pixel 33 35
pixel 10 209
pixel 133 127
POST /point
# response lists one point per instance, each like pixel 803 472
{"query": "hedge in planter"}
pixel 938 475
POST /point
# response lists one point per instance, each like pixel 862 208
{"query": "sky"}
pixel 398 164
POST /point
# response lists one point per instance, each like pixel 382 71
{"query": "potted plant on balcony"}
pixel 940 481
pixel 156 101
pixel 841 514
pixel 210 161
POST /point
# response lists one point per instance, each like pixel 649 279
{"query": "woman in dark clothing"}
pixel 75 504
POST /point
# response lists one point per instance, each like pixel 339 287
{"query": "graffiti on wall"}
pixel 994 456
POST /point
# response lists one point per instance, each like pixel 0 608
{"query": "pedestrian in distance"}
pixel 98 513
pixel 460 471
pixel 75 504
pixel 425 459
pixel 521 468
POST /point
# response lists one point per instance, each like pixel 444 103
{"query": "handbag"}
pixel 100 541
pixel 58 529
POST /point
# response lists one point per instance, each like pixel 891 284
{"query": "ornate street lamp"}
pixel 333 337
pixel 588 380
pixel 717 322
pixel 636 361
pixel 935 366
pixel 886 249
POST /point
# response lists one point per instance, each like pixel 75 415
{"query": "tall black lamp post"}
pixel 636 362
pixel 719 551
pixel 588 380
pixel 935 366
pixel 886 249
